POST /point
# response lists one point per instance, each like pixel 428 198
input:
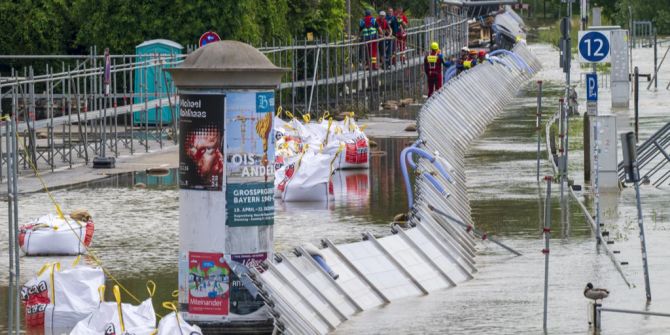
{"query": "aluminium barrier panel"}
pixel 432 252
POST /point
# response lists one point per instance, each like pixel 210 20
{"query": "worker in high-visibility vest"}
pixel 471 60
pixel 432 66
pixel 369 31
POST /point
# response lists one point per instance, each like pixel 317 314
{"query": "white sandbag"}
pixel 105 319
pixel 309 180
pixel 55 300
pixel 173 324
pixel 52 235
pixel 356 154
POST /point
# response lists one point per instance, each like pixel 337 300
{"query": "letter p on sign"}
pixel 591 87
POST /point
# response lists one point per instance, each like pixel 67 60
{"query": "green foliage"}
pixel 656 11
pixel 34 27
pixel 72 26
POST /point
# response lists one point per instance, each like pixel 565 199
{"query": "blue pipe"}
pixel 408 185
pixel 406 158
pixel 435 183
pixel 499 61
pixel 516 58
pixel 409 158
pixel 433 160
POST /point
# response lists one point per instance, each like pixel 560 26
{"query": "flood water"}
pixel 136 236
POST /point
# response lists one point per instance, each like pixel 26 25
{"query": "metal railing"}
pixel 653 157
pixel 65 115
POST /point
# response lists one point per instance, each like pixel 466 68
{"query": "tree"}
pixel 34 27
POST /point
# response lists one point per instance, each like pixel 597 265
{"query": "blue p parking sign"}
pixel 594 46
pixel 591 87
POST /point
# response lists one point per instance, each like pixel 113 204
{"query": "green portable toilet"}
pixel 151 82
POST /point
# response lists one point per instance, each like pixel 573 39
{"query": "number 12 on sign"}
pixel 594 46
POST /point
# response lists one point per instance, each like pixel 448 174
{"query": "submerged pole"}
pixel 632 174
pixel 637 103
pixel 538 124
pixel 546 231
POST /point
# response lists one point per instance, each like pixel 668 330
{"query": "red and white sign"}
pixel 208 284
pixel 208 37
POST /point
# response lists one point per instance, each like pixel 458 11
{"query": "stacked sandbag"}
pixel 118 318
pixel 56 299
pixel 308 152
pixel 55 235
pixel 306 180
pixel 173 324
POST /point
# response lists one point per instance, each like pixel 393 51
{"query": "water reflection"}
pixel 136 227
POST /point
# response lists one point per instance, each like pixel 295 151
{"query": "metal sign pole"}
pixel 592 109
pixel 632 174
pixel 538 124
pixel 546 230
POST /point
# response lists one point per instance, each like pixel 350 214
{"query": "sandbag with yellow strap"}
pixel 59 296
pixel 120 318
pixel 54 235
pixel 173 324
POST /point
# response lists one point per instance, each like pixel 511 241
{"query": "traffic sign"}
pixel 594 46
pixel 591 87
pixel 208 37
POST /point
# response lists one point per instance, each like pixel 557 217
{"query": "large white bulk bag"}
pixel 57 299
pixel 119 318
pixel 175 324
pixel 308 179
pixel 356 153
pixel 52 235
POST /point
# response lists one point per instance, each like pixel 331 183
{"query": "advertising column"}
pixel 226 172
pixel 203 272
pixel 249 191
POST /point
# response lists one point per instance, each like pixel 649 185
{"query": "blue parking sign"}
pixel 591 87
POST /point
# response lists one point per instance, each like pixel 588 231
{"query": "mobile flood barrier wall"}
pixel 430 252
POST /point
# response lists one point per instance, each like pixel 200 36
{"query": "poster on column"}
pixel 249 159
pixel 208 284
pixel 201 141
pixel 241 301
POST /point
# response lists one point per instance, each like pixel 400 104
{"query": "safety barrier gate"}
pixel 433 251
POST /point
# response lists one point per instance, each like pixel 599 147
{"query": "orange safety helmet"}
pixel 473 52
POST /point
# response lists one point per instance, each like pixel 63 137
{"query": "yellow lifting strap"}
pixel 337 154
pixel 151 287
pixel 101 292
pixel 54 267
pixel 117 296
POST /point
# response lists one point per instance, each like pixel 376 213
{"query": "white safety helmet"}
pixel 382 13
pixel 466 49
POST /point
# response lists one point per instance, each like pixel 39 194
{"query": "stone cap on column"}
pixel 227 64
